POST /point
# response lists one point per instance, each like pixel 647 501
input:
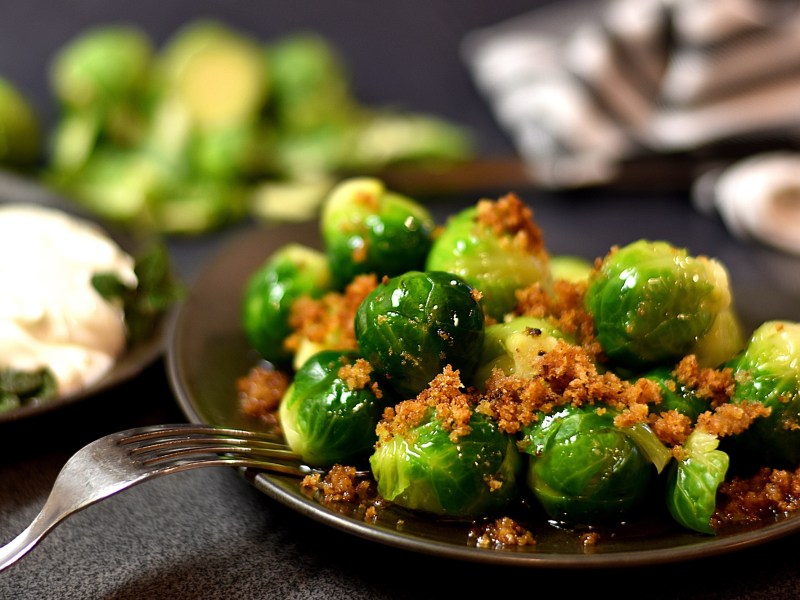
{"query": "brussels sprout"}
pixel 693 481
pixel 368 229
pixel 102 67
pixel 511 346
pixel 422 467
pixel 411 326
pixel 310 86
pixel 768 371
pixel 330 411
pixel 20 130
pixel 571 268
pixel 675 395
pixel 496 248
pixel 290 272
pixel 583 469
pixel 218 75
pixel 653 303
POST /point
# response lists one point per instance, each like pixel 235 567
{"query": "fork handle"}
pixel 27 539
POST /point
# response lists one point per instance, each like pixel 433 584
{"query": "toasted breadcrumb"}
pixel 768 494
pixel 502 533
pixel 260 393
pixel 509 216
pixel 329 319
pixel 358 376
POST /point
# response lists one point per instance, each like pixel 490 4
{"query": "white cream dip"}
pixel 50 314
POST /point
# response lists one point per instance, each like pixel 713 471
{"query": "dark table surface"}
pixel 209 533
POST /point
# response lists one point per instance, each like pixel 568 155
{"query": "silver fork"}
pixel 120 460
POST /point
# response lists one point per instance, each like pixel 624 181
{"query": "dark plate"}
pixel 15 189
pixel 207 352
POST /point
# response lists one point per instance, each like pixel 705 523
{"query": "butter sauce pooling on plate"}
pixel 50 314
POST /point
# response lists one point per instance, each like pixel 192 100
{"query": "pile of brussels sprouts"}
pixel 208 128
pixel 441 319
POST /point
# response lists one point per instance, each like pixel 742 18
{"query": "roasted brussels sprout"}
pixel 497 248
pixel 290 272
pixel 423 461
pixel 369 229
pixel 584 470
pixel 414 324
pixel 654 303
pixel 676 395
pixel 511 346
pixel 693 481
pixel 330 411
pixel 768 371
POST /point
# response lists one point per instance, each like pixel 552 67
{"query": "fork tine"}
pixel 174 447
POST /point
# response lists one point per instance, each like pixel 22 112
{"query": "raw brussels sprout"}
pixel 693 481
pixel 491 259
pixel 584 470
pixel 369 229
pixel 412 325
pixel 511 346
pixel 653 303
pixel 20 130
pixel 290 272
pixel 330 411
pixel 768 371
pixel 425 469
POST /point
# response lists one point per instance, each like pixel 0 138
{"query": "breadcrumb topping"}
pixel 329 319
pixel 509 216
pixel 260 393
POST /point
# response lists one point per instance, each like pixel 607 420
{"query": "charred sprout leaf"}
pixel 693 482
pixel 292 271
pixel 768 371
pixel 329 413
pixel 653 303
pixel 412 325
pixel 489 259
pixel 583 469
pixel 20 387
pixel 156 291
pixel 426 470
pixel 369 229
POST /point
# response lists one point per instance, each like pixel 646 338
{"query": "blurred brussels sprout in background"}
pixel 216 107
pixel 369 229
pixel 414 324
pixel 497 248
pixel 584 470
pixel 292 271
pixel 654 303
pixel 20 130
pixel 768 371
pixel 329 412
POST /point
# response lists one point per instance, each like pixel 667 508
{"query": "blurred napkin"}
pixel 582 85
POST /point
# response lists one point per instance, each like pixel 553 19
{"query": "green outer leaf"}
pixel 693 482
pixel 425 470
